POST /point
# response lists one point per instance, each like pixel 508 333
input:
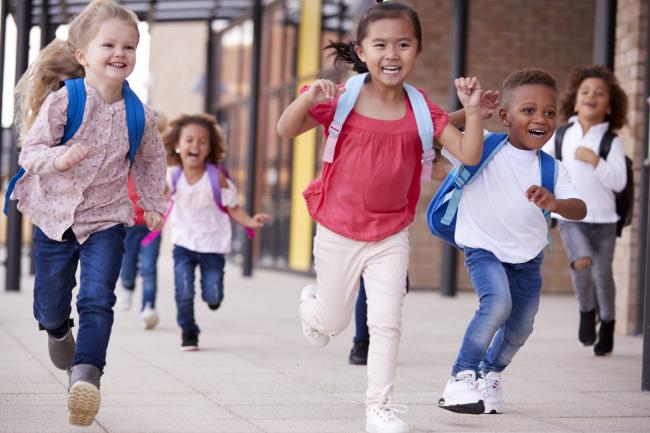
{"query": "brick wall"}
pixel 503 35
pixel 630 67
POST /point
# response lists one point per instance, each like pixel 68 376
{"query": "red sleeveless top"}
pixel 372 187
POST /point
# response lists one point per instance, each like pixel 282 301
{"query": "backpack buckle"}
pixel 330 143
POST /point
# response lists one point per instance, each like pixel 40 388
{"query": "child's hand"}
pixel 323 91
pixel 70 157
pixel 542 198
pixel 153 219
pixel 258 220
pixel 469 92
pixel 489 103
pixel 587 155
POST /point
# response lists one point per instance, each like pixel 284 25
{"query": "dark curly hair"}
pixel 618 102
pixel 209 122
pixel 523 77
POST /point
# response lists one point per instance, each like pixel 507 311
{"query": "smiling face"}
pixel 592 100
pixel 389 50
pixel 109 57
pixel 529 113
pixel 193 145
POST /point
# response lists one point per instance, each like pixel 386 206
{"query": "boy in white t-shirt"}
pixel 503 235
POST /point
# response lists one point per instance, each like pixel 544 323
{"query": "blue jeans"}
pixel 55 266
pixel 508 302
pixel 148 258
pixel 212 270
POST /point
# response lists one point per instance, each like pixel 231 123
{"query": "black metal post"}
pixel 23 11
pixel 4 6
pixel 47 29
pixel 252 129
pixel 448 281
pixel 208 103
pixel 605 33
pixel 643 272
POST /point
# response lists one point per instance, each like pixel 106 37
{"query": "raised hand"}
pixel 323 90
pixel 469 91
pixel 489 103
pixel 542 198
pixel 70 157
pixel 587 155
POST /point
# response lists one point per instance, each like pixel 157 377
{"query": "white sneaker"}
pixel 149 317
pixel 382 419
pixel 313 335
pixel 461 394
pixel 490 388
pixel 124 299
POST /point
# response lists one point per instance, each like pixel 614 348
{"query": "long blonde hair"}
pixel 58 61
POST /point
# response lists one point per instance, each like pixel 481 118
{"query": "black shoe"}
pixel 587 328
pixel 214 306
pixel 605 343
pixel 190 341
pixel 359 354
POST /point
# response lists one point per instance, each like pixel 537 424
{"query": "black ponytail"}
pixel 345 52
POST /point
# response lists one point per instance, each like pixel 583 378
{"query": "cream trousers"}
pixel 339 263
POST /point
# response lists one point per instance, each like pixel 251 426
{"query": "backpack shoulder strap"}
pixel 135 120
pixel 176 174
pixel 76 105
pixel 464 174
pixel 215 183
pixel 606 144
pixel 548 167
pixel 492 143
pixel 425 127
pixel 344 106
pixel 559 136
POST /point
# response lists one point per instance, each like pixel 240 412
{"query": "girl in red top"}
pixel 365 198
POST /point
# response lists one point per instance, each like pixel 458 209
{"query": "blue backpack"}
pixel 135 123
pixel 421 112
pixel 442 211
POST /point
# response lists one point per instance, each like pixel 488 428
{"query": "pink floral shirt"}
pixel 93 195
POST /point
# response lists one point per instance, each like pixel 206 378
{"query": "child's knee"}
pixel 334 324
pixel 581 263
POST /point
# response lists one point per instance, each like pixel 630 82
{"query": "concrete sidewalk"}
pixel 255 372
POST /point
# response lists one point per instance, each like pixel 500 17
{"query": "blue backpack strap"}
pixel 344 106
pixel 135 120
pixel 492 143
pixel 425 128
pixel 74 117
pixel 548 168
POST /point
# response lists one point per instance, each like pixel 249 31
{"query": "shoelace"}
pixel 387 409
pixel 468 380
pixel 492 386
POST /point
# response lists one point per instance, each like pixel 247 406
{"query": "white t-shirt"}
pixel 595 185
pixel 494 213
pixel 195 220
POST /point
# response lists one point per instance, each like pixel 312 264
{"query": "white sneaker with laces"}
pixel 124 299
pixel 149 317
pixel 461 394
pixel 382 419
pixel 490 388
pixel 313 335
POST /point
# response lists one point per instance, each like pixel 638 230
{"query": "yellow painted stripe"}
pixel 304 152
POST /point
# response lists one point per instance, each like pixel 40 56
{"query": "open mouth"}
pixel 537 133
pixel 391 70
pixel 117 65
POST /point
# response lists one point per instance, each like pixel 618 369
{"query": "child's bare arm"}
pixel 242 217
pixel 570 208
pixel 296 119
pixel 467 147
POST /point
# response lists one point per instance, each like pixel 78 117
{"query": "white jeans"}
pixel 340 262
